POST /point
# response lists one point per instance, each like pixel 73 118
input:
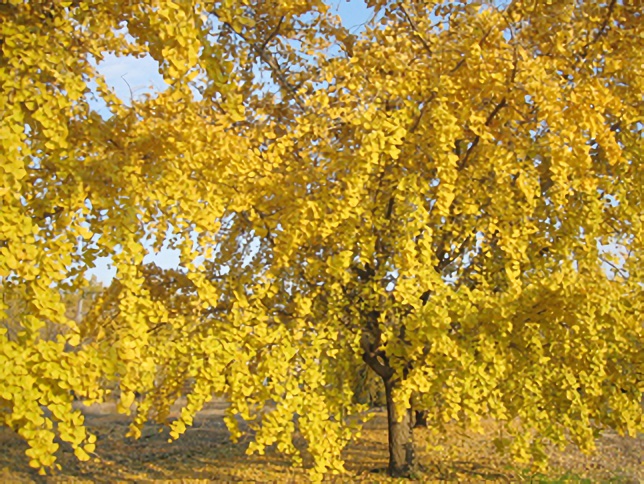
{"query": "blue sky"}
pixel 132 77
pixel 129 76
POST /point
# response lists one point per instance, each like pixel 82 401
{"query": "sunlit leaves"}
pixel 432 195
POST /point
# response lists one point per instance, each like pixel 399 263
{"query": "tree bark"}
pixel 420 419
pixel 402 458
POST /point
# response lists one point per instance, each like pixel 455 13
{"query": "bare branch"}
pixel 273 34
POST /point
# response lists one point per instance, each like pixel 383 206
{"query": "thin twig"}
pixel 269 59
pixel 425 103
pixel 602 29
pixel 489 119
pixel 416 30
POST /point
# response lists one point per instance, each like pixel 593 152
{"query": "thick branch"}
pixel 373 357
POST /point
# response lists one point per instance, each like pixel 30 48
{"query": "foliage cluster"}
pixel 451 198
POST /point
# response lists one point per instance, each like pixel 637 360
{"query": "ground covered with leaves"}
pixel 205 453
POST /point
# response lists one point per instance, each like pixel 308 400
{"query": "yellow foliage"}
pixel 451 197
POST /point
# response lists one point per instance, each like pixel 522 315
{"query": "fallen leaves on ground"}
pixel 205 454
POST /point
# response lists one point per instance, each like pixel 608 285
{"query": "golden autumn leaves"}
pixel 435 196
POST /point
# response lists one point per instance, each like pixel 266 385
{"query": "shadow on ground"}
pixel 206 454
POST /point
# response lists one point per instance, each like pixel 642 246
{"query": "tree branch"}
pixel 269 59
pixel 489 120
pixel 602 29
pixel 416 30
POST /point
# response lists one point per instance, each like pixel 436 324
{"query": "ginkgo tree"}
pixel 451 198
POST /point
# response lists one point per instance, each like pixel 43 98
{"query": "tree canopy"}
pixel 450 197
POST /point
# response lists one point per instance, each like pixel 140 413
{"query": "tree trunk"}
pixel 402 459
pixel 421 418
